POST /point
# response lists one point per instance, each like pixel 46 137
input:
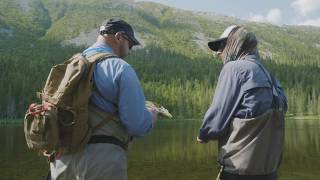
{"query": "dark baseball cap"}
pixel 115 25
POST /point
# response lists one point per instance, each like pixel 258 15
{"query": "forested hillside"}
pixel 174 63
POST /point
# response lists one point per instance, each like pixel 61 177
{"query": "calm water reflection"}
pixel 170 152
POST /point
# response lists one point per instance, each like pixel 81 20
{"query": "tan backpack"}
pixel 60 124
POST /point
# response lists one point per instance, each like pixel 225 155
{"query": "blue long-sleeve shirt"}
pixel 121 91
pixel 244 91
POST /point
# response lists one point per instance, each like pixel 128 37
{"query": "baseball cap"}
pixel 115 25
pixel 215 44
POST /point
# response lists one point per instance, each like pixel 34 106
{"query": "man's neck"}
pixel 101 42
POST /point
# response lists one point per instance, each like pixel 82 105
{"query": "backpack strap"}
pixel 107 117
pixel 273 84
pixel 96 58
pixel 99 57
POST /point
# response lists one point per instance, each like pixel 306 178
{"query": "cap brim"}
pixel 134 40
pixel 215 45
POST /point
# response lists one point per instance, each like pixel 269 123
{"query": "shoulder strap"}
pixel 107 116
pixel 99 57
pixel 272 81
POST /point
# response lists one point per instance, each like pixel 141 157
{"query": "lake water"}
pixel 170 152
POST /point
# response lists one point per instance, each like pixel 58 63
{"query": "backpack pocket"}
pixel 41 128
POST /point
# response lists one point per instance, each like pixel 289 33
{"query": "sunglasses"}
pixel 221 48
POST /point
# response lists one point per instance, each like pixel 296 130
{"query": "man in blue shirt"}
pixel 247 113
pixel 117 91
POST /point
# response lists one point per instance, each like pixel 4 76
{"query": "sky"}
pixel 278 12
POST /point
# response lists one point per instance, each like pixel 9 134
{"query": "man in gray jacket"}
pixel 247 113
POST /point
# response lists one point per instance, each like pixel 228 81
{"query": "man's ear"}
pixel 118 36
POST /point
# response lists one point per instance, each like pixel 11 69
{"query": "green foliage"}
pixel 23 72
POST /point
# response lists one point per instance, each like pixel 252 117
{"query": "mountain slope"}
pixel 76 22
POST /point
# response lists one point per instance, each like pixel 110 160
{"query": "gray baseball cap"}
pixel 215 44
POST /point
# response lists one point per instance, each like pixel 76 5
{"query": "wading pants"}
pixel 229 176
pixel 96 162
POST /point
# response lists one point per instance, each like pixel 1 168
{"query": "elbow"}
pixel 137 132
pixel 214 135
pixel 138 123
pixel 211 134
pixel 139 129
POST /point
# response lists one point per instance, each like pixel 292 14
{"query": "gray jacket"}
pixel 249 129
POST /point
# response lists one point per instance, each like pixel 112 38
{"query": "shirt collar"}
pixel 97 48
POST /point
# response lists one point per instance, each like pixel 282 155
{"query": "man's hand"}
pixel 160 109
pixel 201 141
pixel 154 113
